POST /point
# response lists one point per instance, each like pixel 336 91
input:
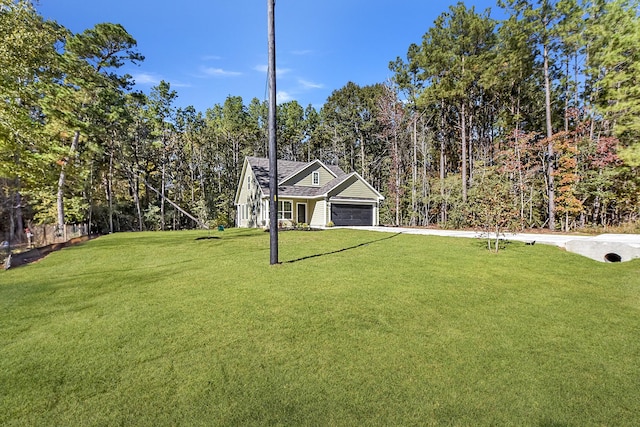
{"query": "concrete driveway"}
pixel 604 247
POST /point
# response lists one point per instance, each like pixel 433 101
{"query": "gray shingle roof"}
pixel 286 168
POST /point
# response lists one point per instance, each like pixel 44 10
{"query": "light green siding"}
pixel 317 211
pixel 244 191
pixel 249 204
pixel 304 178
pixel 354 188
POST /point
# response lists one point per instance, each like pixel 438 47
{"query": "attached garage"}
pixel 350 214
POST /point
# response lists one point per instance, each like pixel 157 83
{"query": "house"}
pixel 310 193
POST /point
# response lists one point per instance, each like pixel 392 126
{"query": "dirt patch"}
pixel 36 254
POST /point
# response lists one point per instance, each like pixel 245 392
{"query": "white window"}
pixel 285 210
pixel 315 178
pixel 248 183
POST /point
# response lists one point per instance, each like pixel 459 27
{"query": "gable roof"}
pixel 307 166
pixel 288 169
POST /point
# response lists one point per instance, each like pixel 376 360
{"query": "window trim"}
pixel 282 213
pixel 315 178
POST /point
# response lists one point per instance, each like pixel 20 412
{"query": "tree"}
pixel 290 131
pixel 258 112
pixel 312 133
pixel 136 154
pixel 163 112
pixel 410 83
pixel 29 63
pixel 391 116
pixel 539 22
pixel 613 58
pixel 350 113
pixel 493 205
pixel 91 61
pixel 565 144
pixel 453 56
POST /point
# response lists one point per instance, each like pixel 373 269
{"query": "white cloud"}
pixel 219 72
pixel 283 96
pixel 151 79
pixel 211 58
pixel 146 79
pixel 306 84
pixel 302 52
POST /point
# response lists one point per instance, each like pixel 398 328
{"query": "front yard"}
pixel 353 328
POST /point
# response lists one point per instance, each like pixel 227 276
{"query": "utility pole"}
pixel 273 146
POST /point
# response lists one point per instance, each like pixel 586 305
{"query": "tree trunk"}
pixel 566 96
pixel 62 179
pixel 443 208
pixel 18 205
pixel 60 197
pixel 414 174
pixel 470 153
pixel 425 183
pixel 192 171
pixel 135 188
pixel 463 135
pixel 203 194
pixel 519 161
pixel 110 192
pixel 162 193
pixel 396 167
pixel 365 172
pixel 550 153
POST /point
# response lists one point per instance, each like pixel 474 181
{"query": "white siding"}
pixel 318 214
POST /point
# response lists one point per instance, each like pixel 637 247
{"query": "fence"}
pixel 48 234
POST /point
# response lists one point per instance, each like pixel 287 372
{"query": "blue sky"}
pixel 208 50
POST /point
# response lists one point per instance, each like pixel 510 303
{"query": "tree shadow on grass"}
pixel 340 250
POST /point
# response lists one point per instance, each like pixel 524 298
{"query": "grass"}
pixel 353 328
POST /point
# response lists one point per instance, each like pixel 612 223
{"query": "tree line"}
pixel 528 121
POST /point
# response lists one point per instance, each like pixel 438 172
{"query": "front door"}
pixel 302 213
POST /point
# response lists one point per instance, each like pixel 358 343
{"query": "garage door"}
pixel 351 214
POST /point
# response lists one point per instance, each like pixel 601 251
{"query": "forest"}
pixel 532 121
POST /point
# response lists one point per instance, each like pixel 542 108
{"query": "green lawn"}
pixel 362 328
